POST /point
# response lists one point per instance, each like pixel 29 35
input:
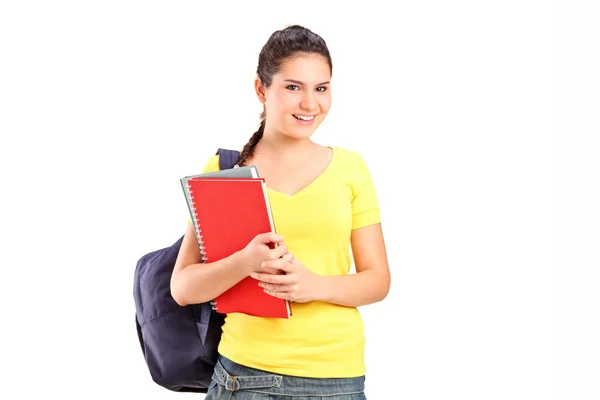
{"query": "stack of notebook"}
pixel 228 209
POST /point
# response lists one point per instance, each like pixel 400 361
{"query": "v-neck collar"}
pixel 311 184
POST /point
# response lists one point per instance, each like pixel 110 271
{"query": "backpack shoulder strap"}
pixel 227 158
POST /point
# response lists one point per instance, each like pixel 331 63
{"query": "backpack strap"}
pixel 227 158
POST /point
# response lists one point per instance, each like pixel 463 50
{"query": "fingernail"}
pixel 253 274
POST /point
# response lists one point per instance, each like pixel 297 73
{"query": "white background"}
pixel 475 117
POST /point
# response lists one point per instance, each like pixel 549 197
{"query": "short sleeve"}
pixel 212 165
pixel 365 205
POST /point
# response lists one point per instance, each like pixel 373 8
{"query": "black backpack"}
pixel 179 344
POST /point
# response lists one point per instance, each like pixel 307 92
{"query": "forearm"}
pixel 354 290
pixel 199 283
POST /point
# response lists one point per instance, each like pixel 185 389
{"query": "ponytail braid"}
pixel 249 147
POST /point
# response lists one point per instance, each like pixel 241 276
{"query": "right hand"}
pixel 258 250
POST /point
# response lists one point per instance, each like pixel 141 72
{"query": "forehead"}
pixel 307 68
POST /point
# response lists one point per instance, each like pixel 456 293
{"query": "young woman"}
pixel 324 203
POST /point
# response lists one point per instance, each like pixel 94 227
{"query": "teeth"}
pixel 304 118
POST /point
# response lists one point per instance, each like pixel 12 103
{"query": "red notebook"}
pixel 228 213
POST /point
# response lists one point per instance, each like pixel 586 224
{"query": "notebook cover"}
pixel 249 171
pixel 229 213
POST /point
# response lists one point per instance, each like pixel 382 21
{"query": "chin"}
pixel 301 134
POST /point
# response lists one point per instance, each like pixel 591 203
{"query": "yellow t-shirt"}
pixel 320 340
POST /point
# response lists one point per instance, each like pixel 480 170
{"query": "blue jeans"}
pixel 237 382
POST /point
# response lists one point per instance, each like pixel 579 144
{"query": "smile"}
pixel 304 117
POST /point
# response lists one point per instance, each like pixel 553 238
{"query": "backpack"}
pixel 179 343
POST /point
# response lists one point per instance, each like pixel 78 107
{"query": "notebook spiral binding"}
pixel 197 225
pixel 199 235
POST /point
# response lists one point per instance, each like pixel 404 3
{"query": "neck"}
pixel 275 144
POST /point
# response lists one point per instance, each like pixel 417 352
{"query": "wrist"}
pixel 240 262
pixel 322 292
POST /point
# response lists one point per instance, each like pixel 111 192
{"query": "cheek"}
pixel 279 105
pixel 325 104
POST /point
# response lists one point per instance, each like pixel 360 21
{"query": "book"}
pixel 247 171
pixel 228 213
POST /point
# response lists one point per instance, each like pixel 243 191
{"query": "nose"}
pixel 309 101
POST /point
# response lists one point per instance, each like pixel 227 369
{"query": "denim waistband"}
pixel 235 377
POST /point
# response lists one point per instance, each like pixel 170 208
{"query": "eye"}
pixel 292 87
pixel 322 89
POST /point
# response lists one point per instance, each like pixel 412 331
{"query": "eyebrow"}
pixel 302 83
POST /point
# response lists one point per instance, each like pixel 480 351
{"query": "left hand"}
pixel 298 283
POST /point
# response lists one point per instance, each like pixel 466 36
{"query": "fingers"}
pixel 268 237
pixel 279 263
pixel 280 295
pixel 272 271
pixel 274 280
pixel 289 257
pixel 278 251
pixel 269 287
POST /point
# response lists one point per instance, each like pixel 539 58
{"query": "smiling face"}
pixel 299 96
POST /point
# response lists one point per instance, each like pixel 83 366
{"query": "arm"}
pixel 194 282
pixel 370 284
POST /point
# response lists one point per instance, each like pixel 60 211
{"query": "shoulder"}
pixel 349 159
pixel 351 168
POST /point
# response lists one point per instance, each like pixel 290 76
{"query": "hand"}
pixel 258 250
pixel 298 284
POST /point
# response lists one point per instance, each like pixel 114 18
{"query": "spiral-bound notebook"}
pixel 247 171
pixel 227 214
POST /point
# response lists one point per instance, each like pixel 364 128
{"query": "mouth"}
pixel 306 118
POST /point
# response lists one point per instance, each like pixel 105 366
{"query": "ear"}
pixel 260 90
